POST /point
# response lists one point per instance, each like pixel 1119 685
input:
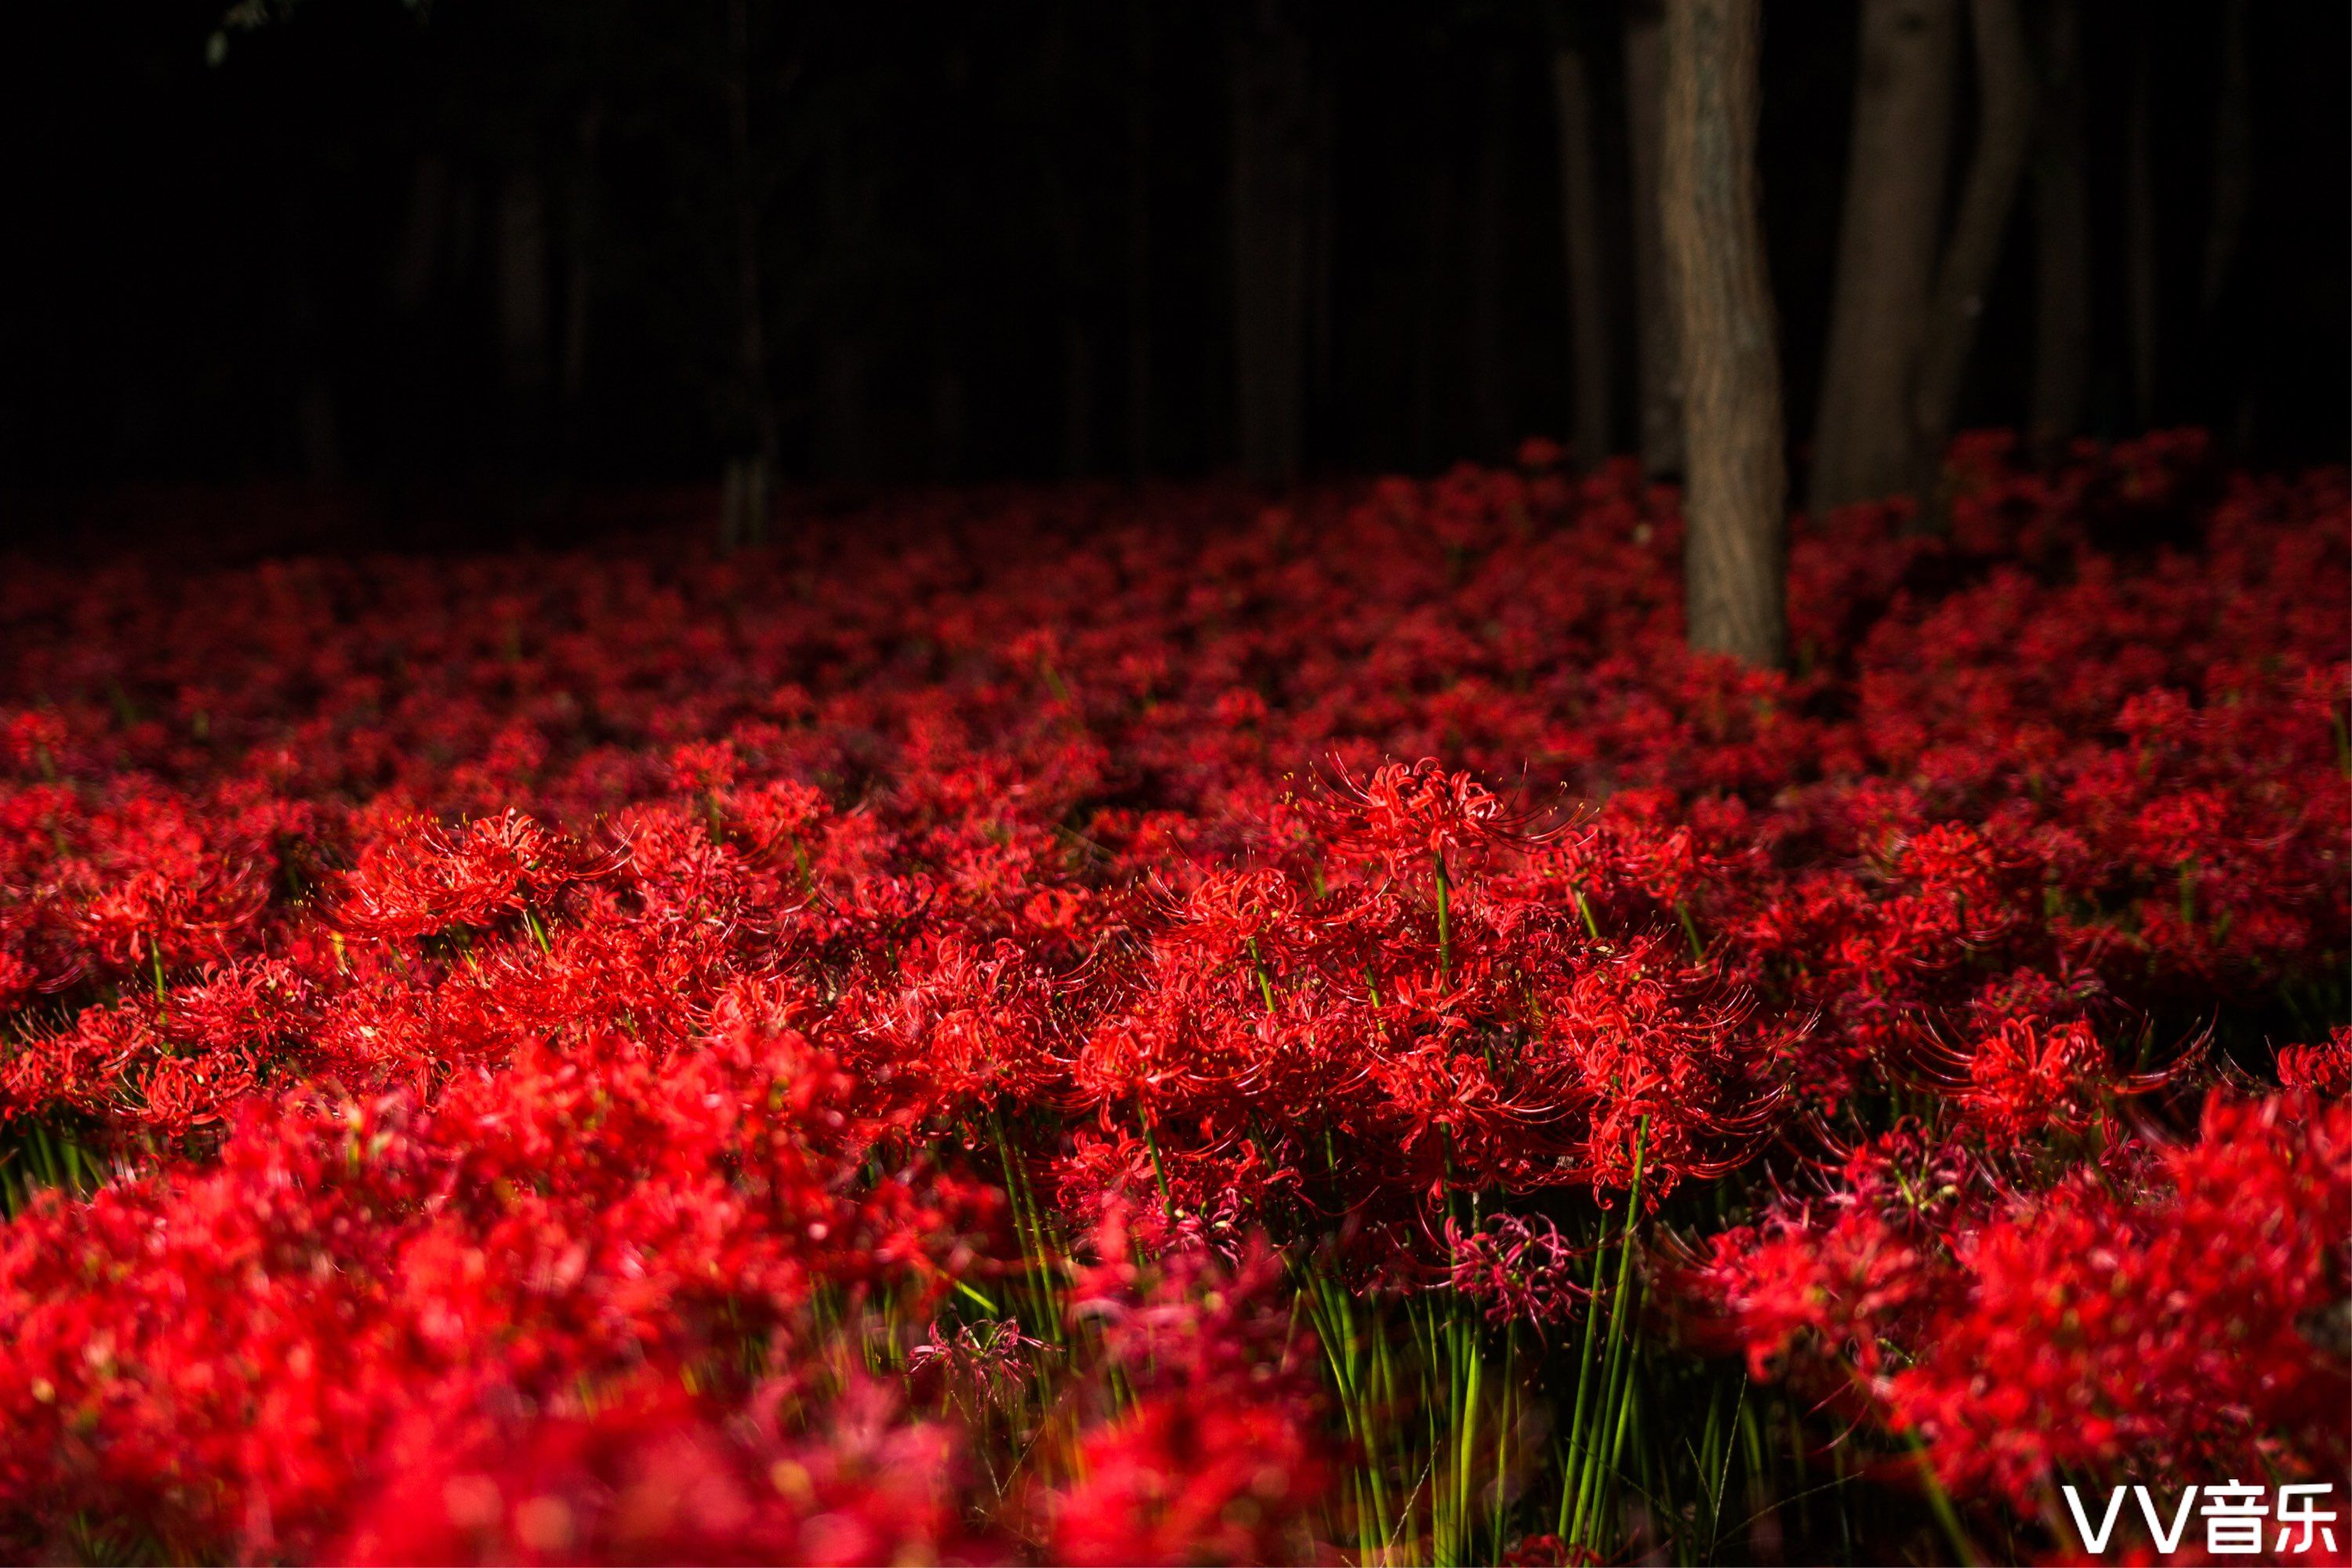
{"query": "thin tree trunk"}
pixel 2062 232
pixel 521 238
pixel 946 409
pixel 1886 248
pixel 316 426
pixel 422 235
pixel 2234 156
pixel 580 240
pixel 1077 398
pixel 1437 205
pixel 850 200
pixel 1588 306
pixel 520 255
pixel 1657 358
pixel 1271 191
pixel 1138 241
pixel 1735 560
pixel 1322 235
pixel 2005 88
pixel 2139 232
pixel 743 517
pixel 1489 398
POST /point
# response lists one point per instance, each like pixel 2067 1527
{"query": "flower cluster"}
pixel 610 1053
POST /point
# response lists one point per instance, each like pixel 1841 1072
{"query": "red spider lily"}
pixel 2325 1070
pixel 1221 1455
pixel 547 1018
pixel 424 878
pixel 2028 1084
pixel 2167 1337
pixel 651 1478
pixel 1409 819
pixel 1517 1270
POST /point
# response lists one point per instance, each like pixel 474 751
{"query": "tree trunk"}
pixel 1588 305
pixel 1734 558
pixel 2005 88
pixel 1886 248
pixel 1657 360
pixel 1077 398
pixel 580 247
pixel 1322 237
pixel 316 426
pixel 850 203
pixel 521 240
pixel 1272 189
pixel 1436 191
pixel 743 512
pixel 2062 232
pixel 1489 398
pixel 422 235
pixel 2234 156
pixel 1138 241
pixel 2139 232
pixel 520 255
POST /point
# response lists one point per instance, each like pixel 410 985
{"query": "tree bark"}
pixel 849 210
pixel 1490 398
pixel 1138 240
pixel 1591 421
pixel 1077 398
pixel 316 426
pixel 1735 561
pixel 1887 239
pixel 422 235
pixel 2062 232
pixel 521 239
pixel 2234 156
pixel 2005 89
pixel 744 509
pixel 580 247
pixel 1272 183
pixel 1657 358
pixel 520 252
pixel 2139 232
pixel 1322 240
pixel 1436 204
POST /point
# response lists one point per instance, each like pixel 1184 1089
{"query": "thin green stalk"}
pixel 1445 924
pixel 1576 1444
pixel 1624 1417
pixel 1940 1501
pixel 1151 1141
pixel 1759 1472
pixel 1384 1386
pixel 1466 1338
pixel 1265 986
pixel 1333 1309
pixel 1503 1436
pixel 1588 1503
pixel 1712 1476
pixel 1031 1231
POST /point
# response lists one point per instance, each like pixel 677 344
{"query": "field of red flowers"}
pixel 1083 1026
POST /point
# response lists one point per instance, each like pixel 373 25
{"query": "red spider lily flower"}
pixel 424 878
pixel 1519 1270
pixel 2325 1068
pixel 2170 1337
pixel 1405 817
pixel 2027 1084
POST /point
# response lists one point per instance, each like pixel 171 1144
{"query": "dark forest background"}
pixel 416 250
